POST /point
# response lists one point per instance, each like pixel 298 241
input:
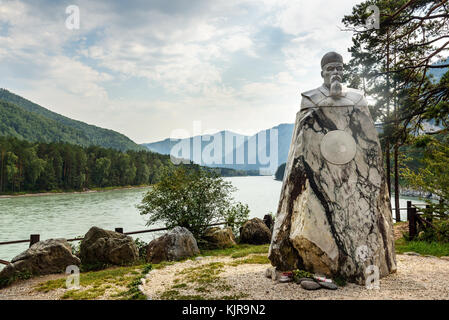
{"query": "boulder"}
pixel 255 231
pixel 268 220
pixel 334 215
pixel 176 244
pixel 107 247
pixel 217 238
pixel 43 257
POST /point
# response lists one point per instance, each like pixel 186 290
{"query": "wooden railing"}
pixel 36 237
pixel 415 217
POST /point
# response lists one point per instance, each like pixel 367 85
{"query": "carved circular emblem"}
pixel 338 147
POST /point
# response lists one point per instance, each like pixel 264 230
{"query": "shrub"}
pixel 438 234
pixel 192 199
pixel 141 247
pixel 236 216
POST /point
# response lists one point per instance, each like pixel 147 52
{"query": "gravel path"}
pixel 417 278
pixel 24 289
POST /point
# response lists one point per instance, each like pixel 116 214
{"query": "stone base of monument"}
pixel 314 283
pixel 334 216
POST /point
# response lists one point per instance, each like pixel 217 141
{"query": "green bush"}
pixel 236 216
pixel 192 199
pixel 438 234
pixel 141 247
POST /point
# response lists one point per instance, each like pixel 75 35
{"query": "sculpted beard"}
pixel 336 87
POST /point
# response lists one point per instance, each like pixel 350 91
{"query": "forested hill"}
pixel 26 120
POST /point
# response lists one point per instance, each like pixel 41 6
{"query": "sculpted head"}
pixel 332 72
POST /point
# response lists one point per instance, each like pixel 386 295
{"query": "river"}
pixel 71 215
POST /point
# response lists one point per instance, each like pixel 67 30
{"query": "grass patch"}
pixel 17 276
pixel 205 274
pixel 254 259
pixel 237 251
pixel 95 283
pixel 436 249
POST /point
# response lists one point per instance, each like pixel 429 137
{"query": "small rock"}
pixel 284 279
pixel 268 273
pixel 310 285
pixel 445 258
pixel 411 253
pixel 429 256
pixel 271 273
pixel 328 285
pixel 199 258
pixel 303 279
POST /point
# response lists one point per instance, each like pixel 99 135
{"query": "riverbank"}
pixel 61 192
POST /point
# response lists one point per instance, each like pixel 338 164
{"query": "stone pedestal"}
pixel 334 216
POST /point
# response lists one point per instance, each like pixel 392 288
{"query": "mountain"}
pixel 439 73
pixel 238 151
pixel 26 120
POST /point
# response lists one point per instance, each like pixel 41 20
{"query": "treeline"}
pixel 33 166
pixel 27 166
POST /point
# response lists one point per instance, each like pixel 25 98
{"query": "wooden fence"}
pixel 422 217
pixel 36 237
pixel 414 217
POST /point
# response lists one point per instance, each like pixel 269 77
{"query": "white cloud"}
pixel 206 58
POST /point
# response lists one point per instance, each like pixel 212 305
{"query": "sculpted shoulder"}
pixel 356 96
pixel 311 98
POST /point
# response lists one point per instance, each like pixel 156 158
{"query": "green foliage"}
pixel 141 247
pixel 237 251
pixel 40 167
pixel 440 232
pixel 339 281
pixel 192 199
pixel 436 249
pixel 298 274
pixel 18 275
pixel 236 216
pixel 133 292
pixel 76 247
pixel 26 120
pixel 433 175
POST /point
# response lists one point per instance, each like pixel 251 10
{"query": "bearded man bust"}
pixel 332 93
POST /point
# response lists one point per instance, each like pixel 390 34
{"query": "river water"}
pixel 71 215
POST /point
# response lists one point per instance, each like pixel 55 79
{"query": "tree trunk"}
pixel 396 183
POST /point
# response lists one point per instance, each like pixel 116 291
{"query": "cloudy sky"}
pixel 146 68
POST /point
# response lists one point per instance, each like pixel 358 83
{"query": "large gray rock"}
pixel 44 257
pixel 334 215
pixel 107 247
pixel 255 231
pixel 217 238
pixel 176 244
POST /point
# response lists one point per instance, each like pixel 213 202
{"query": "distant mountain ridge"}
pixel 29 121
pixel 246 152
